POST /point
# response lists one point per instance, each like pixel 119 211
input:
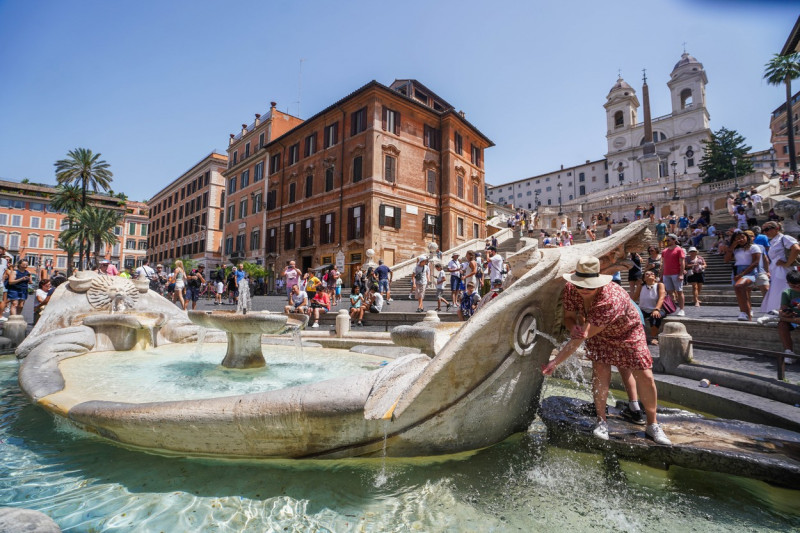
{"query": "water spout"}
pixel 244 297
pixel 120 302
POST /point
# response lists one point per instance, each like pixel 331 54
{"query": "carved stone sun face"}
pixel 104 288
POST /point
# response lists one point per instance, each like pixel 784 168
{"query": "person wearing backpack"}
pixel 420 280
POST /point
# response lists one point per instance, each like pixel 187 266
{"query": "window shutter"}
pixel 425 135
pixel 384 118
pixel 353 123
pixel 323 237
pixel 397 123
pixel 286 245
pixel 350 227
pixel 438 139
pixel 438 228
pixel 397 217
pixel 382 215
pixel 336 133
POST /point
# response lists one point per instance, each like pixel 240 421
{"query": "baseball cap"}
pixel 672 236
pixel 692 249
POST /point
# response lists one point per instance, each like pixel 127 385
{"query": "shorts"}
pixel 14 294
pixel 373 309
pixel 338 291
pixel 220 287
pixel 673 282
pixel 655 322
pixel 383 285
pixel 455 283
pixel 179 285
pixel 439 292
pixel 698 277
pixel 322 308
pixel 762 280
pixel 419 292
pixel 192 293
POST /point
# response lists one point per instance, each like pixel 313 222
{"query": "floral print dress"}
pixel 622 343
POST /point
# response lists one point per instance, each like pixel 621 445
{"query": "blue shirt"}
pixel 762 240
pixel 683 222
pixel 239 275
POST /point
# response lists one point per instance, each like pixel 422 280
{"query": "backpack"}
pixel 418 275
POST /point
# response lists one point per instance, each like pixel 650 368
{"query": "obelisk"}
pixel 649 159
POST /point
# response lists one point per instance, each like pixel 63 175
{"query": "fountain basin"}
pixel 123 331
pixel 244 333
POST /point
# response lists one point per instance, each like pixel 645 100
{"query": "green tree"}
pixel 781 70
pixel 718 154
pixel 86 169
pixel 95 225
pixel 70 247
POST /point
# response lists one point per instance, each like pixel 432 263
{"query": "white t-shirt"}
pixel 453 264
pixel 3 266
pixel 496 268
pixel 377 301
pixel 744 256
pixel 297 299
pixel 440 279
pixel 146 270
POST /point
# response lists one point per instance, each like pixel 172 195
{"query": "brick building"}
pixel 30 228
pixel 386 167
pixel 779 134
pixel 186 216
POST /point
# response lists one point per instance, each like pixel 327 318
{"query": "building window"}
pixel 390 168
pixel 582 190
pixel 358 121
pixel 231 185
pixel 431 181
pixel 294 153
pixel 245 179
pixel 258 172
pixel 231 213
pixel 458 143
pixel 48 241
pixel 307 235
pixel 355 227
pixel 16 221
pixel 460 226
pixel 476 231
pixel 686 98
pixel 247 150
pixel 272 199
pixel 261 139
pixel 460 187
pixel 391 121
pixel 117 230
pixel 389 216
pixel 431 224
pixel 36 222
pixel 309 186
pixel 257 203
pixel 292 192
pixel 326 228
pixel 255 239
pixel 358 163
pixel 33 241
pixel 476 196
pixel 13 241
pixel 619 119
pixel 61 262
pixel 475 155
pixel 310 145
pixel 132 228
pixel 328 179
pixel 130 244
pixel 581 177
pixel 274 163
pixel 272 241
pixel 331 134
pixel 235 157
pixel 431 138
pixel 50 223
pixel 240 249
pixel 288 237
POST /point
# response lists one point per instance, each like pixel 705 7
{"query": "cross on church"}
pixel 684 47
pixel 619 73
pixel 644 75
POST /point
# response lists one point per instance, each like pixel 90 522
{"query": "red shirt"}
pixel 322 298
pixel 671 257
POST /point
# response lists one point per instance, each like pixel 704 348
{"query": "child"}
pixel 439 277
pixel 356 306
pixel 469 302
pixel 338 294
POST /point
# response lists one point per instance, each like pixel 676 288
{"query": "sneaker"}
pixel 680 313
pixel 361 324
pixel 3 319
pixel 390 300
pixel 786 360
pixel 637 417
pixel 315 325
pixel 600 430
pixel 743 317
pixel 448 307
pixel 655 432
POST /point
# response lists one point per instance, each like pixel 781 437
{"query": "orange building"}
pixel 185 217
pixel 391 168
pixel 30 228
pixel 780 134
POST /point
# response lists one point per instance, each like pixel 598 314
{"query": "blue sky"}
pixel 156 86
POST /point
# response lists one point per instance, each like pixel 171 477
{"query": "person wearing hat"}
pixel 603 315
pixel 454 268
pixel 103 268
pixel 695 268
pixel 673 259
pixel 420 280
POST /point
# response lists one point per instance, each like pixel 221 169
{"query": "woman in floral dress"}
pixel 604 316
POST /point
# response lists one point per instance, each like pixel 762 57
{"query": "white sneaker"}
pixel 743 317
pixel 600 430
pixel 3 319
pixel 315 325
pixel 786 360
pixel 680 313
pixel 655 432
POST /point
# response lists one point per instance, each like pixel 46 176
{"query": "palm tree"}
pixel 86 169
pixel 99 224
pixel 70 248
pixel 782 70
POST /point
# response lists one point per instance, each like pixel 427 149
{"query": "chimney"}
pixel 230 141
pixel 463 115
pixel 244 129
pixel 258 119
pixel 273 105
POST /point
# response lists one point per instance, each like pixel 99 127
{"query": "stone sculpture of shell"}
pixel 104 288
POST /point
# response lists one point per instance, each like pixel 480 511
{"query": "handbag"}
pixel 669 306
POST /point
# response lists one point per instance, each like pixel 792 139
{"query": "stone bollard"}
pixel 431 316
pixel 674 347
pixel 15 328
pixel 342 323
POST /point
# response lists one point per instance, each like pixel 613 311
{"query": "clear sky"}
pixel 156 85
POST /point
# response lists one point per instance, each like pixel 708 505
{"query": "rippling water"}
pixel 522 484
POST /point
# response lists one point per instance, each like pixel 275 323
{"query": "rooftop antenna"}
pixel 300 86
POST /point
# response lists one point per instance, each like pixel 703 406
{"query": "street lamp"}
pixel 560 211
pixel 675 181
pixel 735 176
pixel 772 162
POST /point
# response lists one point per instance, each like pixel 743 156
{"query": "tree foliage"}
pixel 718 153
pixel 781 70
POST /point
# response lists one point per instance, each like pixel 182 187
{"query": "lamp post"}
pixel 772 162
pixel 560 211
pixel 675 196
pixel 735 175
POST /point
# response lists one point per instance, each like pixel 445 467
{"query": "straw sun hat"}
pixel 587 274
